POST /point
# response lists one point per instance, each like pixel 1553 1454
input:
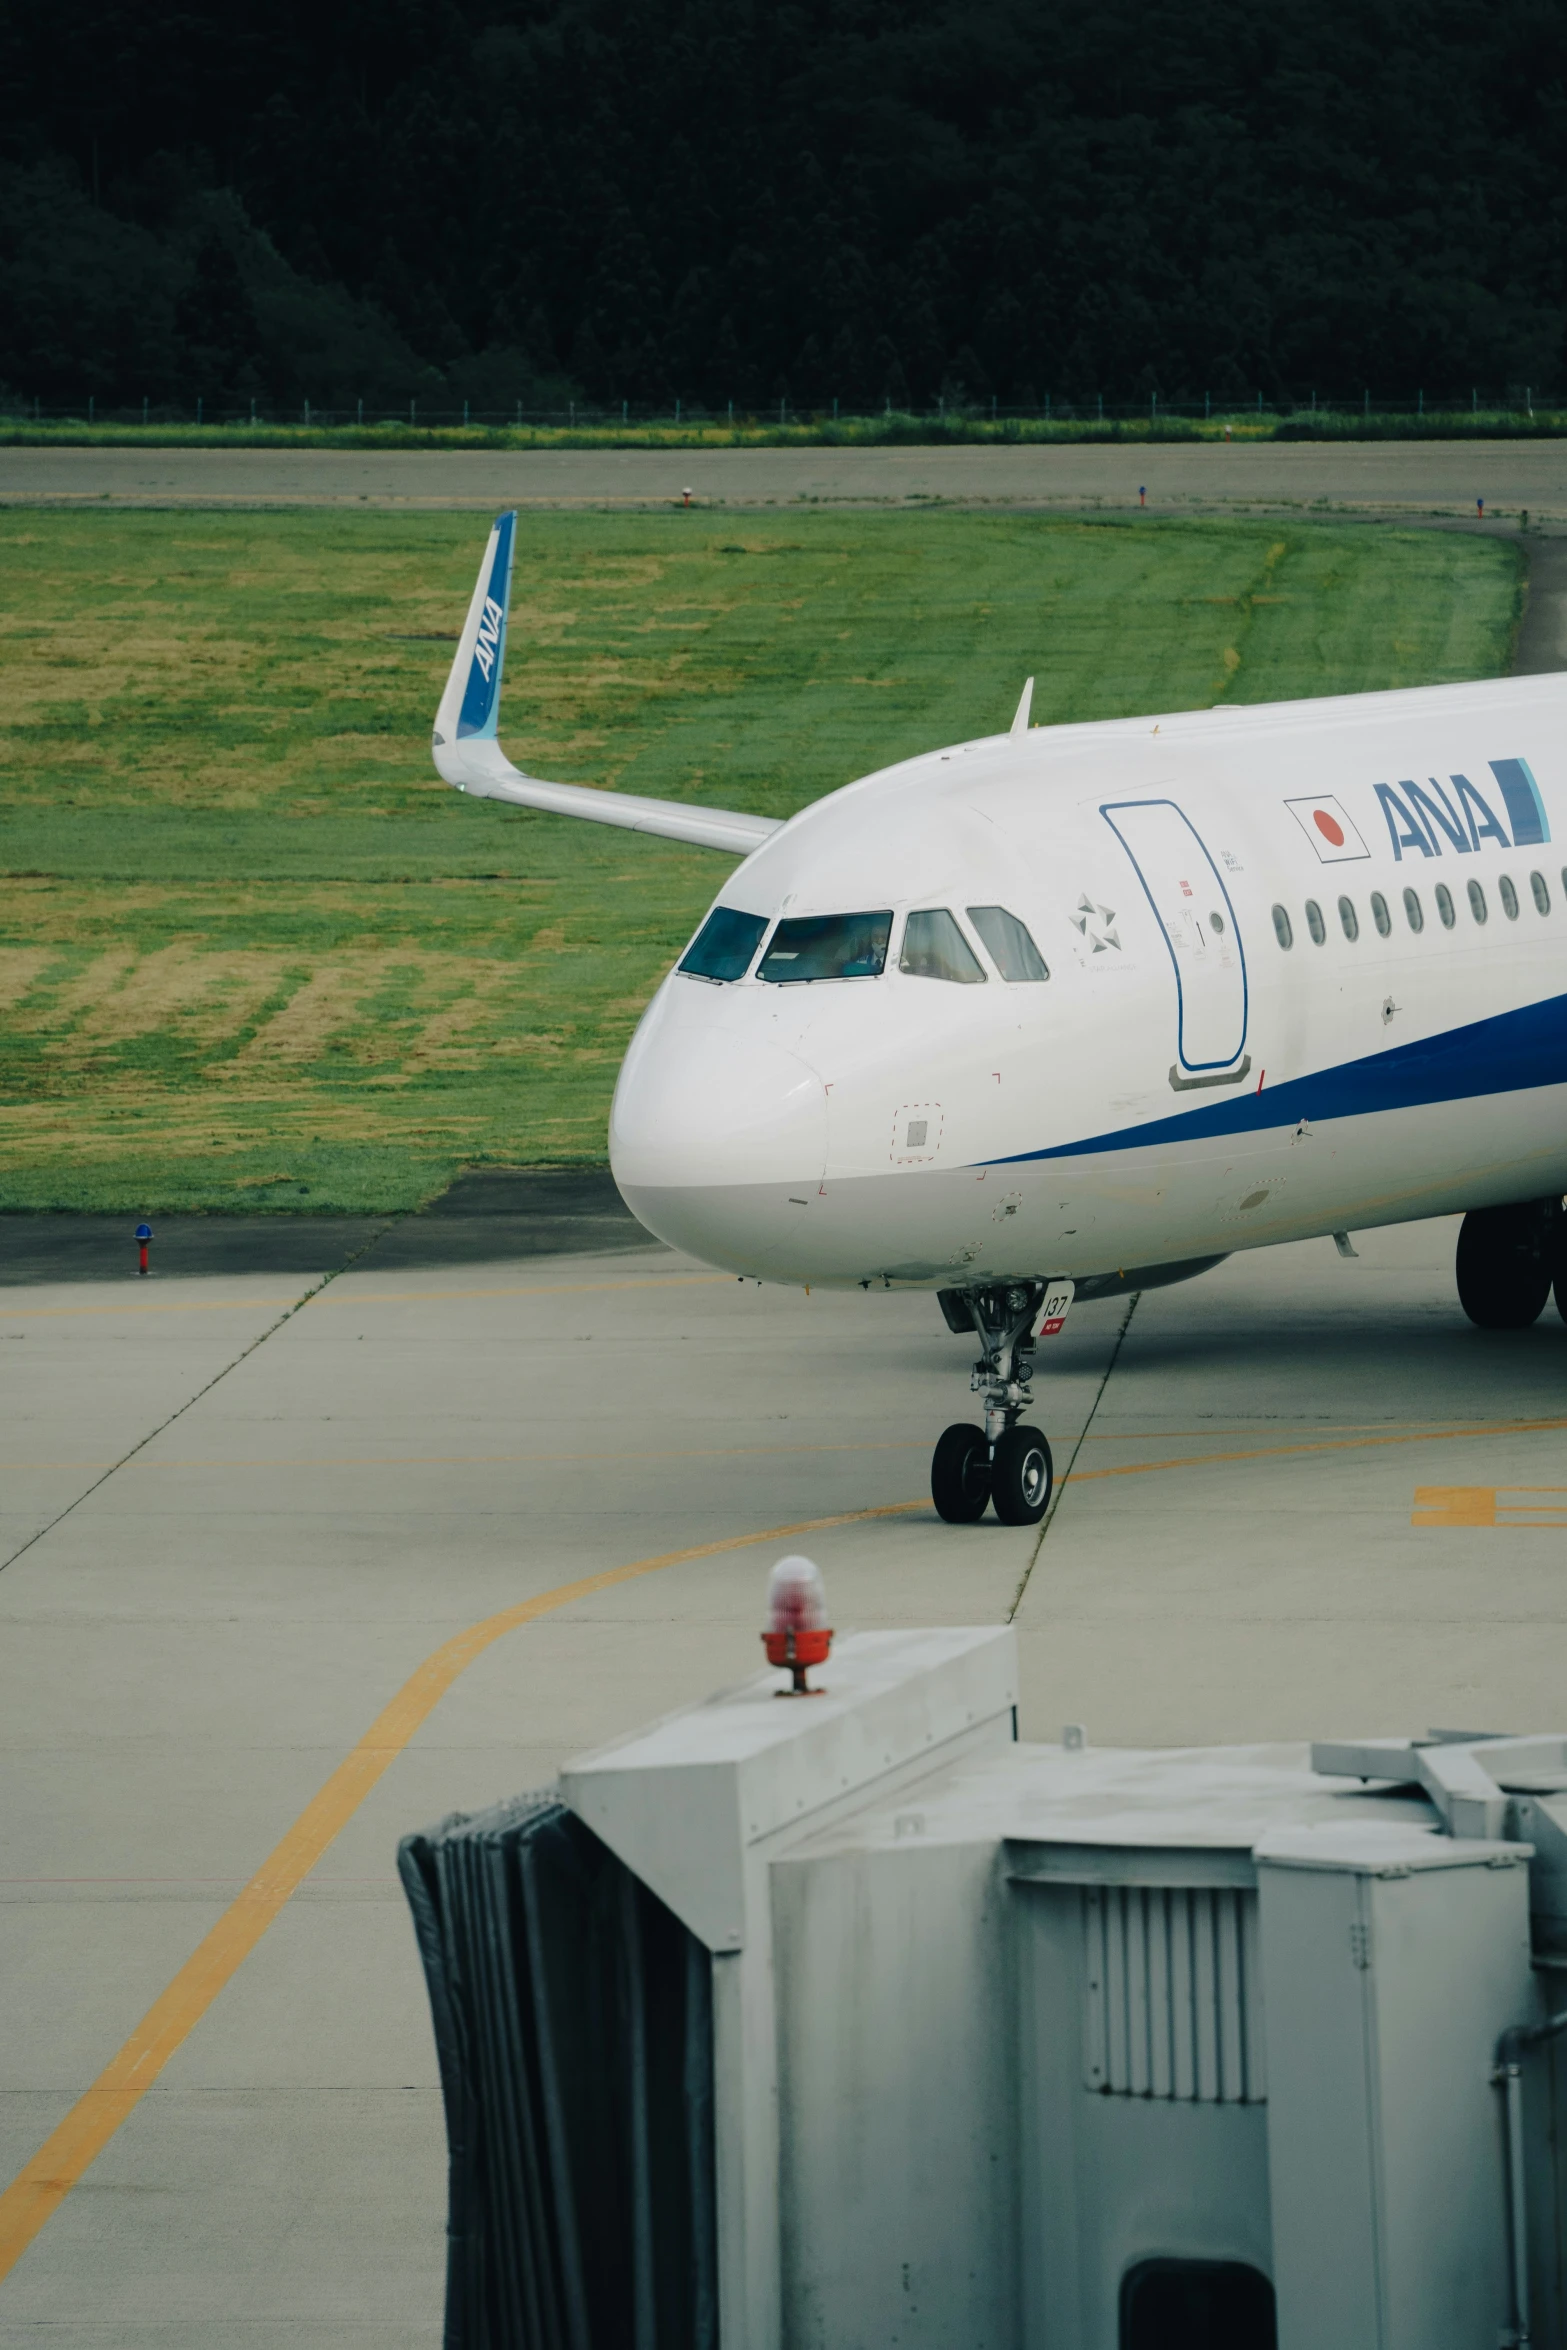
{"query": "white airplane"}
pixel 1080 1010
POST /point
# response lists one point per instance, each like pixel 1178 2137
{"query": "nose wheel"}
pixel 1015 1477
pixel 960 1474
pixel 1021 1477
pixel 1005 1465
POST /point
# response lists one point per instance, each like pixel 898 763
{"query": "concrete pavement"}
pixel 348 1474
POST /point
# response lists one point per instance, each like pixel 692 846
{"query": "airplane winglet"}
pixel 1025 704
pixel 466 745
pixel 471 705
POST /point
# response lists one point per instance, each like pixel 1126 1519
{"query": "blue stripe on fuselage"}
pixel 1506 1054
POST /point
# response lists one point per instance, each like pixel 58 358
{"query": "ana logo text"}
pixel 488 642
pixel 1433 819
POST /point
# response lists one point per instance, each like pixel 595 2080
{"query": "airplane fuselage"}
pixel 1184 1083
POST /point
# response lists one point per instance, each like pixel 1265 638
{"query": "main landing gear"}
pixel 1508 1259
pixel 1003 1463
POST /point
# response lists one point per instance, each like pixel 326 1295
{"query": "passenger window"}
pixel 1540 894
pixel 1509 897
pixel 1444 905
pixel 723 947
pixel 1010 944
pixel 827 946
pixel 1348 917
pixel 1477 906
pixel 1380 915
pixel 935 948
pixel 1414 913
pixel 1281 928
pixel 1315 923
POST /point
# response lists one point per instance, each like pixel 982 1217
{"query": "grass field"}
pixel 253 953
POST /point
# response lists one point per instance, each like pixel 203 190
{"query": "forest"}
pixel 879 204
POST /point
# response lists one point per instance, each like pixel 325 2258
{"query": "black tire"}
pixel 960 1474
pixel 1506 1259
pixel 1021 1476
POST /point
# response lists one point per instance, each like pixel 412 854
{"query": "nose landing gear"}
pixel 1004 1464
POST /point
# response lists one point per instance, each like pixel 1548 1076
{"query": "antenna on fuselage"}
pixel 1020 722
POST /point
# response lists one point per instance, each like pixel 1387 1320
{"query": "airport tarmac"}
pixel 1409 479
pixel 299 1560
pixel 338 1524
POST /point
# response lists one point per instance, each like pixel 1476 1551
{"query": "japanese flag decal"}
pixel 1329 829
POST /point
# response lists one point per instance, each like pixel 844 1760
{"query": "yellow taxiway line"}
pixel 42 2185
pixel 1275 1452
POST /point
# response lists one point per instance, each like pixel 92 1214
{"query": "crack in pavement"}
pixel 180 1410
pixel 1062 1481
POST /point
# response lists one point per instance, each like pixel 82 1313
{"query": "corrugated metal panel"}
pixel 1172 2003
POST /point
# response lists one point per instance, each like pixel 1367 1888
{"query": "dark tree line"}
pixel 871 200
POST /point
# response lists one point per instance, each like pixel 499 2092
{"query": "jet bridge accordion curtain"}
pixel 573 2022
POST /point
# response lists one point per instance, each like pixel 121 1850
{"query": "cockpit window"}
pixel 1011 946
pixel 827 946
pixel 723 947
pixel 935 948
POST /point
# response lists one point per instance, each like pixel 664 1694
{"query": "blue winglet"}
pixel 481 702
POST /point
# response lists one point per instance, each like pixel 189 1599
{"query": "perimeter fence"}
pixel 1515 409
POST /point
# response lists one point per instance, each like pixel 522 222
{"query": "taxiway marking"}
pixel 1274 1452
pixel 42 2185
pixel 1483 1505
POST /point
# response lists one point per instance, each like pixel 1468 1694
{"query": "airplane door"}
pixel 1194 912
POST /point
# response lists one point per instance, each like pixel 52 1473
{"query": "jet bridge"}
pixel 854 2021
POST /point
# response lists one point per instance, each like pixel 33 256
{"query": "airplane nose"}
pixel 696 1107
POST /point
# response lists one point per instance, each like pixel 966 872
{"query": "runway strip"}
pixel 1413 478
pixel 42 2186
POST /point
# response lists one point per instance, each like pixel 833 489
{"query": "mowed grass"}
pixel 253 952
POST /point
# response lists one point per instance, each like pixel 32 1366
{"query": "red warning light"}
pixel 1328 827
pixel 797 1634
